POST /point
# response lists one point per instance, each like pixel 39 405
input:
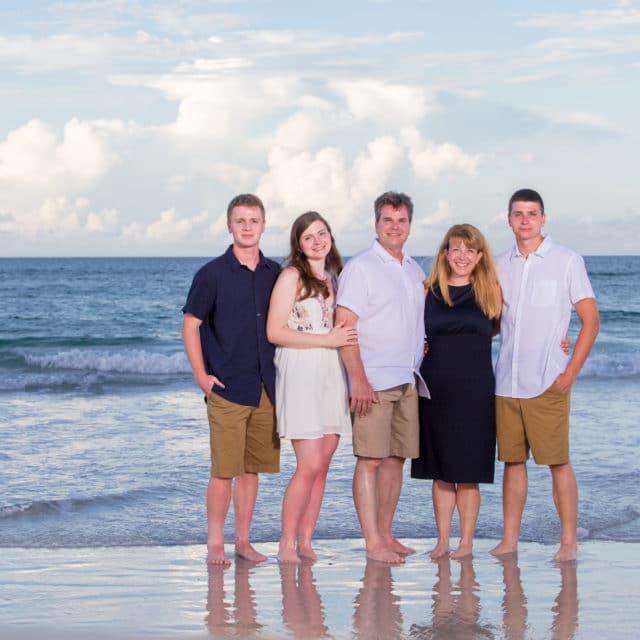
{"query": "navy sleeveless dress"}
pixel 457 425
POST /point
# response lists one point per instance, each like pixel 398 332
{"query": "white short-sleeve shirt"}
pixel 538 292
pixel 388 297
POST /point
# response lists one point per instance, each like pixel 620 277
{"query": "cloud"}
pixel 587 20
pixel 34 156
pixel 384 103
pixel 166 229
pixel 430 160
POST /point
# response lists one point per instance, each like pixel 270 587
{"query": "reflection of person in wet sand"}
pixel 377 612
pixel 220 621
pixel 565 609
pixel 514 602
pixel 456 606
pixel 302 609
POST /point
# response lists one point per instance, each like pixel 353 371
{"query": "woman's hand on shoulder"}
pixel 341 336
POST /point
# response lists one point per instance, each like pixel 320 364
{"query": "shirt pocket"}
pixel 544 293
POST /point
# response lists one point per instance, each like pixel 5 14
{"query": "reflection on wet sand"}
pixel 302 610
pixel 455 606
pixel 220 620
pixel 514 602
pixel 376 611
pixel 565 609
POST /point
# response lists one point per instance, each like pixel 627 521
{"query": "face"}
pixel 393 228
pixel 246 225
pixel 526 219
pixel 315 241
pixel 462 260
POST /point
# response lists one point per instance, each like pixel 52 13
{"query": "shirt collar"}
pixel 235 264
pixel 385 256
pixel 541 251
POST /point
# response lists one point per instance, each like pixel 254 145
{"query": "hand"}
pixel 207 383
pixel 341 336
pixel 565 345
pixel 362 397
pixel 564 382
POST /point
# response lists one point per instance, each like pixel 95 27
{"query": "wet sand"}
pixel 169 592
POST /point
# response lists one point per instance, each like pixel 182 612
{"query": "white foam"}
pixel 126 361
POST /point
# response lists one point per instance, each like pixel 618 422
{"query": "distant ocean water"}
pixel 103 433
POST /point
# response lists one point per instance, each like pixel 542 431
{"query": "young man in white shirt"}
pixel 541 282
pixel 381 292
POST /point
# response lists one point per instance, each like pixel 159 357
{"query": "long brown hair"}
pixel 310 286
pixel 484 278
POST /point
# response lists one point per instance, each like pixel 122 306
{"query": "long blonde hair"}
pixel 483 279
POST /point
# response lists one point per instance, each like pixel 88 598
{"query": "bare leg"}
pixel 245 493
pixel 309 463
pixel 444 502
pixel 314 503
pixel 389 485
pixel 514 496
pixel 365 497
pixel 468 503
pixel 218 500
pixel 565 496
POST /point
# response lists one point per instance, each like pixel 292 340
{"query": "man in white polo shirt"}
pixel 541 282
pixel 381 292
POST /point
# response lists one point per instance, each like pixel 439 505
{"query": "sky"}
pixel 126 126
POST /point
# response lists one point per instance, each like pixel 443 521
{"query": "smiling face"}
pixel 246 225
pixel 526 219
pixel 315 241
pixel 392 228
pixel 462 260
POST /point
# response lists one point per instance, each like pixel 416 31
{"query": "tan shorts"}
pixel 242 439
pixel 539 424
pixel 391 426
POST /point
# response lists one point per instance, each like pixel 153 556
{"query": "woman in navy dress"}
pixel 457 424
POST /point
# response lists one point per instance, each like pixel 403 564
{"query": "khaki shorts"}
pixel 391 426
pixel 539 424
pixel 243 439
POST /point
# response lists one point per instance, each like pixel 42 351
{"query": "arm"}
pixel 587 311
pixel 282 300
pixel 193 349
pixel 362 394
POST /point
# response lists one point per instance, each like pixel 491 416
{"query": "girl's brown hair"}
pixel 310 285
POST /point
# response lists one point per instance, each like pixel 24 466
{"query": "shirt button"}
pixel 258 314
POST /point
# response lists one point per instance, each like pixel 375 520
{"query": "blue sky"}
pixel 127 126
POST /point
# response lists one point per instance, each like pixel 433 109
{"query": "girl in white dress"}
pixel 312 404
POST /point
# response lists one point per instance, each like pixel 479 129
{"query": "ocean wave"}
pixel 39 508
pixel 127 361
pixel 615 365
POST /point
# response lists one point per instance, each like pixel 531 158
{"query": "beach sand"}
pixel 169 592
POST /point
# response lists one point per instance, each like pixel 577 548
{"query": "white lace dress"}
pixel 311 386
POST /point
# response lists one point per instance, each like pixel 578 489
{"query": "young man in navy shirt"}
pixel 224 335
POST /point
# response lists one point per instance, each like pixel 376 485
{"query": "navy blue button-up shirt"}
pixel 232 302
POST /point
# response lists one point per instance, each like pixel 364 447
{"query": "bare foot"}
pixel 440 550
pixel 384 554
pixel 566 552
pixel 398 547
pixel 216 555
pixel 246 551
pixel 504 548
pixel 463 551
pixel 289 555
pixel 305 551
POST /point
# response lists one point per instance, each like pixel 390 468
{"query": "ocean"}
pixel 104 438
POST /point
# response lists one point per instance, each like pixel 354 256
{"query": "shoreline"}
pixel 169 592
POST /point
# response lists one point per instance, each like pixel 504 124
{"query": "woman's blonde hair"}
pixel 483 279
